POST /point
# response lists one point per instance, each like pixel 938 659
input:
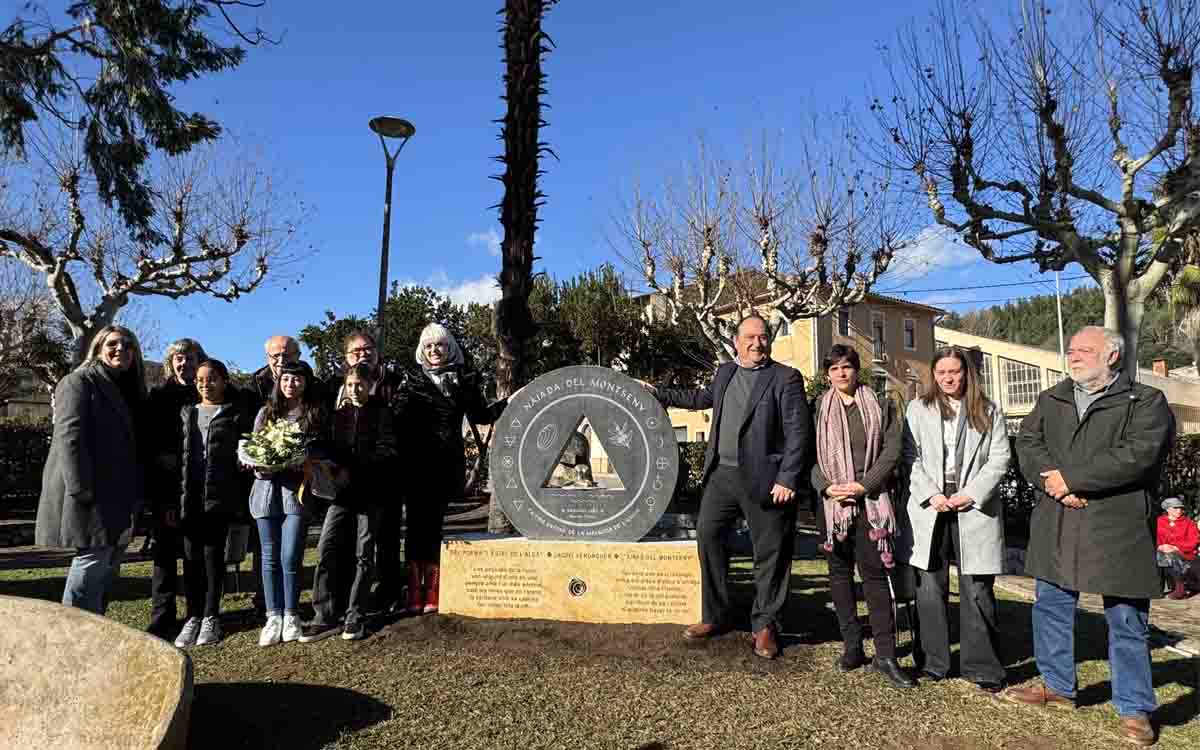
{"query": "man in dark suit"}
pixel 754 466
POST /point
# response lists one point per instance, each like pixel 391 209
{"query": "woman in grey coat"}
pixel 957 446
pixel 92 482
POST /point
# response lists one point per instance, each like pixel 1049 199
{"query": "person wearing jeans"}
pixel 93 574
pixel 276 506
pixel 1128 658
pixel 283 550
pixel 92 488
pixel 1095 445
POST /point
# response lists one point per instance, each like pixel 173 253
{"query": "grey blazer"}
pixel 92 484
pixel 981 466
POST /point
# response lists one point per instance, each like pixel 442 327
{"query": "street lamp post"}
pixel 385 128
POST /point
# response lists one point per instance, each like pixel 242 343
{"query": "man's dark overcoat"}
pixel 1113 459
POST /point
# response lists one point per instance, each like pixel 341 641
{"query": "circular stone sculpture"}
pixel 626 421
pixel 71 680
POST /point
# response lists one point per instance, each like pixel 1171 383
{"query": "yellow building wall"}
pixel 1183 394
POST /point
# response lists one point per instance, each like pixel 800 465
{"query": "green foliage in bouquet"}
pixel 278 445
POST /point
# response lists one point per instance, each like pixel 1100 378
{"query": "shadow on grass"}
pixel 50 588
pixel 284 715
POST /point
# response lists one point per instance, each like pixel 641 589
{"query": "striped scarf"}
pixel 837 464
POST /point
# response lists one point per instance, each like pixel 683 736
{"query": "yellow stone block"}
pixel 601 582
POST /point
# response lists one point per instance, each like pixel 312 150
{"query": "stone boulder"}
pixel 71 679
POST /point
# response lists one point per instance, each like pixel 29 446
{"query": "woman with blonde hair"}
pixel 92 482
pixel 957 447
pixel 434 406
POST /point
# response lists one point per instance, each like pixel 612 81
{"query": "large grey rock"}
pixel 71 679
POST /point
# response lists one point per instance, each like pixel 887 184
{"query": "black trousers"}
pixel 423 518
pixel 164 577
pixel 772 534
pixel 978 631
pixel 204 538
pixel 388 567
pixel 858 549
pixel 345 565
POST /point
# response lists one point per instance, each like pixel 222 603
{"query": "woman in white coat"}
pixel 957 447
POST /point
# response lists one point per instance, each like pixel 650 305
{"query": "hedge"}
pixel 24 445
pixel 1180 477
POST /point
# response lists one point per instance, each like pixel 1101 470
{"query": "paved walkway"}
pixel 1172 623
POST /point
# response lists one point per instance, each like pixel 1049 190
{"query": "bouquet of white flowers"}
pixel 279 445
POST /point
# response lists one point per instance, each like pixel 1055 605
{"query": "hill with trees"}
pixel 1032 321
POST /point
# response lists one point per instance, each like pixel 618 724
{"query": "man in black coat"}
pixel 1094 446
pixel 755 465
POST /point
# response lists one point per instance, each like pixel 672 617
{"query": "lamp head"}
pixel 392 127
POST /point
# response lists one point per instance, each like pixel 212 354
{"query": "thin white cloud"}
pixel 484 290
pixel 489 239
pixel 935 249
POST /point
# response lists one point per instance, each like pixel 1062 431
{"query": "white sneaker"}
pixel 210 632
pixel 291 628
pixel 272 632
pixel 187 636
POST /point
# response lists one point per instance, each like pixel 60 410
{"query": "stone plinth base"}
pixel 601 582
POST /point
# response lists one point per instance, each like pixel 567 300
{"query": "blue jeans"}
pixel 1128 650
pixel 93 573
pixel 282 553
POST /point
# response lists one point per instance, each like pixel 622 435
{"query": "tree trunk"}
pixel 524 46
pixel 1123 312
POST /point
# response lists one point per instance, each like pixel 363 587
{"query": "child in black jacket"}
pixel 363 447
pixel 214 488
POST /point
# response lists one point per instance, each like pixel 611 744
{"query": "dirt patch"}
pixel 662 645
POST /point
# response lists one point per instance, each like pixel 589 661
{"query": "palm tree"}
pixel 525 45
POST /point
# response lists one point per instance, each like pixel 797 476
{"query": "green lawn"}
pixel 442 682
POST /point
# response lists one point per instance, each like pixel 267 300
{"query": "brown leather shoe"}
pixel 1138 730
pixel 1037 694
pixel 765 643
pixel 702 630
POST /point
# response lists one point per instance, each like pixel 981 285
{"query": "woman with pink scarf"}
pixel 859 441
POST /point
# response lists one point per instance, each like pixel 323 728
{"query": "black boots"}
pixel 892 671
pixel 852 658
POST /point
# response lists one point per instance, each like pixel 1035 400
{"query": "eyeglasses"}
pixel 361 351
pixel 277 357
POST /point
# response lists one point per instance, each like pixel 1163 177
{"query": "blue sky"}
pixel 632 84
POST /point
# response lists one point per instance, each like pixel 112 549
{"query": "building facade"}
pixel 1014 374
pixel 893 337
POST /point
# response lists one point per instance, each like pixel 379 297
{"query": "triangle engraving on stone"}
pixel 573 468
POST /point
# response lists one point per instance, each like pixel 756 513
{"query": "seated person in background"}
pixel 1177 540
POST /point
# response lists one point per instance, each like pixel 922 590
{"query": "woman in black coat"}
pixel 163 440
pixel 213 490
pixel 92 484
pixel 433 413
